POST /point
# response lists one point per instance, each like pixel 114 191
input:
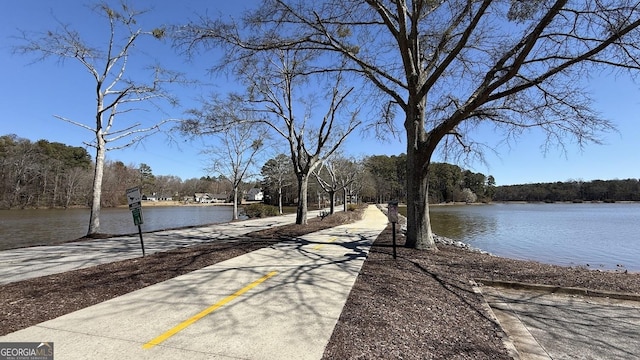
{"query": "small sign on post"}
pixel 392 214
pixel 392 211
pixel 135 205
pixel 137 215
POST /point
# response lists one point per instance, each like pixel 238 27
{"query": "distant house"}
pixel 206 198
pixel 220 198
pixel 254 194
pixel 157 197
pixel 202 198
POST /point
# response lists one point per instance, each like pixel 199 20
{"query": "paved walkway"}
pixel 280 302
pixel 544 325
pixel 25 263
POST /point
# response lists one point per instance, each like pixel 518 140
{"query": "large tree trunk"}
pixel 419 149
pixel 94 218
pixel 301 213
pixel 332 202
pixel 419 234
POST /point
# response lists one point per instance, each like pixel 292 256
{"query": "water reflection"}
pixel 20 228
pixel 604 236
pixel 601 235
pixel 458 222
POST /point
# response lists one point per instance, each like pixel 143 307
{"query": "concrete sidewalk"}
pixel 26 263
pixel 280 302
pixel 544 325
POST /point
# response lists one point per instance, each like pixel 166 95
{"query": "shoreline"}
pixel 461 203
pixel 440 239
pixel 151 203
pixel 145 203
pixel 443 240
pixel 164 203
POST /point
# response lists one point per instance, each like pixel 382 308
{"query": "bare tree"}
pixel 277 173
pixel 335 174
pixel 118 176
pixel 327 178
pixel 115 93
pixel 349 172
pixel 168 186
pixel 20 172
pixel 274 81
pixel 75 180
pixel 235 157
pixel 451 66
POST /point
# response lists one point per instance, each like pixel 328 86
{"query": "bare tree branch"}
pixel 107 65
pixel 450 65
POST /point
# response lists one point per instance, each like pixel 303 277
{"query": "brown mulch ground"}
pixel 422 305
pixel 418 306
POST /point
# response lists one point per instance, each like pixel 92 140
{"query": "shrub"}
pixel 352 207
pixel 260 210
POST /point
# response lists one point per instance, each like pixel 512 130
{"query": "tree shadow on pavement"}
pixel 567 325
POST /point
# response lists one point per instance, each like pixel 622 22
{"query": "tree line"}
pixel 42 174
pixel 574 191
pixel 377 179
pixel 45 174
pixel 446 182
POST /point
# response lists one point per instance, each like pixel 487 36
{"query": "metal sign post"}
pixel 392 214
pixel 135 205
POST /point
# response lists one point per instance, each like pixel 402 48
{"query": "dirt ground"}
pixel 418 306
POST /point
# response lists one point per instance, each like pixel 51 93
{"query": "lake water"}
pixel 19 228
pixel 600 235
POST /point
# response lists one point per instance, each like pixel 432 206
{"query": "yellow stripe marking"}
pixel 319 246
pixel 206 312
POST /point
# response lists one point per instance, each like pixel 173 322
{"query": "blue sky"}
pixel 32 93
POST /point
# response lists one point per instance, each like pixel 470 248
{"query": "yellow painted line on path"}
pixel 176 329
pixel 319 246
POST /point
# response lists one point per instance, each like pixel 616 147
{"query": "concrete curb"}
pixel 506 340
pixel 559 290
pixel 552 322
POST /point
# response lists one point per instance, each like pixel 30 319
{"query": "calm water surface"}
pixel 19 228
pixel 600 235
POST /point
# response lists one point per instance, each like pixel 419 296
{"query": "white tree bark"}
pixel 106 64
